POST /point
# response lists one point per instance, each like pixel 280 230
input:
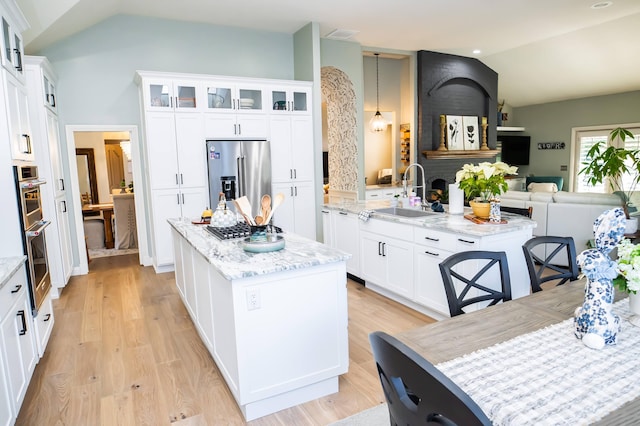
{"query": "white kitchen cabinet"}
pixel 291 148
pixel 20 135
pixel 290 99
pixel 17 339
pixel 382 193
pixel 43 324
pixel 327 228
pixel 345 238
pixel 167 203
pixel 6 411
pixel 13 24
pixel 297 212
pixel 227 95
pixel 386 253
pixel 234 125
pixel 166 94
pixel 40 82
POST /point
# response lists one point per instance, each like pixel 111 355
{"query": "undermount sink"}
pixel 398 211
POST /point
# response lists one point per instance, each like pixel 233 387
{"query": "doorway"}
pixel 98 137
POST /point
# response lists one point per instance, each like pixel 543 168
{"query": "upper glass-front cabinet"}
pixel 229 97
pixel 291 100
pixel 12 48
pixel 172 95
pixel 49 93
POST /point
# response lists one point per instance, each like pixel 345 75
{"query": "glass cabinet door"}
pixel 6 43
pixel 250 99
pixel 283 100
pixel 186 96
pixel 49 93
pixel 219 96
pixel 160 95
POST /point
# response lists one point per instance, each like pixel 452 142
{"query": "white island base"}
pixel 278 337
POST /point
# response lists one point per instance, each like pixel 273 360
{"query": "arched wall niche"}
pixel 337 91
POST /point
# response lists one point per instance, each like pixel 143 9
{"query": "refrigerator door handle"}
pixel 242 184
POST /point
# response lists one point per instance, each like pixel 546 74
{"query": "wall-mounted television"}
pixel 515 149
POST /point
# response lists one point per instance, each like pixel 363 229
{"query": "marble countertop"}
pixel 230 259
pixel 8 266
pixel 440 221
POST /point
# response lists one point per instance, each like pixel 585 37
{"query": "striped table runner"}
pixel 548 377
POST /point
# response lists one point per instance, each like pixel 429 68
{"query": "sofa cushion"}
pixel 542 187
pixel 586 198
pixel 516 195
pixel 558 180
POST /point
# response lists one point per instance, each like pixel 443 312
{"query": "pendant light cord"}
pixel 377 84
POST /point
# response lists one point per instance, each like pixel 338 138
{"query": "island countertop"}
pixel 8 266
pixel 440 221
pixel 233 262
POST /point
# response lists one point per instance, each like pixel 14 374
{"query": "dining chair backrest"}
pixel 416 391
pixel 527 212
pixel 469 277
pixel 550 258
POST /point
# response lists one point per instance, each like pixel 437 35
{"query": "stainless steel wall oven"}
pixel 33 229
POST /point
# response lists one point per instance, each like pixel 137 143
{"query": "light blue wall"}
pixel 96 67
pixel 552 122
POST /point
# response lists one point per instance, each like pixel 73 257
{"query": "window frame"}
pixel 576 134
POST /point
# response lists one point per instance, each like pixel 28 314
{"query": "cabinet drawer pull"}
pixel 24 323
pixel 53 100
pixel 18 66
pixel 47 318
pixel 431 254
pixel 17 289
pixel 379 248
pixel 343 213
pixel 384 249
pixel 61 184
pixel 432 239
pixel 64 206
pixel 466 241
pixel 325 212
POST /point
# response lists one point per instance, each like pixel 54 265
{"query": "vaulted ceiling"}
pixel 543 50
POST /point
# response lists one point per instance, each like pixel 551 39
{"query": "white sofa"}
pixel 563 213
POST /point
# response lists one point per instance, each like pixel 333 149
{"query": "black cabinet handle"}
pixel 24 323
pixel 432 239
pixel 432 254
pixel 343 213
pixel 46 318
pixel 18 59
pixel 28 139
pixel 64 206
pixel 17 289
pixel 466 241
pixel 53 100
pixel 379 248
pixel 61 184
pixel 384 249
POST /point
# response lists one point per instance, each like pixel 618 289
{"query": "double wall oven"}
pixel 33 229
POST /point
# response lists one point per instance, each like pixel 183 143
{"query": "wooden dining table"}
pixel 451 338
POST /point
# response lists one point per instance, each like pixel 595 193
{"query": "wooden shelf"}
pixel 461 154
pixel 510 129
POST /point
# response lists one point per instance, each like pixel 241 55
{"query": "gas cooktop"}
pixel 239 230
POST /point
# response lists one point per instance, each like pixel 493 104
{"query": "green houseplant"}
pixel 482 182
pixel 612 164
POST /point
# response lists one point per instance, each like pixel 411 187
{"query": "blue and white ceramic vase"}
pixel 494 211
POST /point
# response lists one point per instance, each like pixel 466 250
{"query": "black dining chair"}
pixel 464 285
pixel 527 212
pixel 557 263
pixel 416 391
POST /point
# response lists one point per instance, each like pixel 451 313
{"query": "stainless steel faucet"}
pixel 404 184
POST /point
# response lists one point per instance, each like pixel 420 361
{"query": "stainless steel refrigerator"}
pixel 237 168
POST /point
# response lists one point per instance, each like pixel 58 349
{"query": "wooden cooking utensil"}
pixel 265 203
pixel 259 220
pixel 278 199
pixel 245 207
pixel 248 219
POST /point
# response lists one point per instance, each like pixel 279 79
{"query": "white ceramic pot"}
pixel 631 225
pixel 634 307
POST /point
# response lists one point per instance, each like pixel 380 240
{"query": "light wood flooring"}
pixel 124 352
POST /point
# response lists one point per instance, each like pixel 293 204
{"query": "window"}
pixel 584 140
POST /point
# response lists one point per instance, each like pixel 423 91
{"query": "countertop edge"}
pixel 9 266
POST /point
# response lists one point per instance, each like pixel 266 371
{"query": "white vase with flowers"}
pixel 628 279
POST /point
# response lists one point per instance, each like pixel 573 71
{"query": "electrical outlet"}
pixel 253 299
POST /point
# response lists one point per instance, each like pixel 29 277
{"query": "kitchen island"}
pixel 275 323
pixel 399 256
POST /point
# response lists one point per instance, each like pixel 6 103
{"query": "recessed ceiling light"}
pixel 477 51
pixel 341 34
pixel 601 4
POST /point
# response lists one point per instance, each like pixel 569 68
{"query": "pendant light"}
pixel 377 123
